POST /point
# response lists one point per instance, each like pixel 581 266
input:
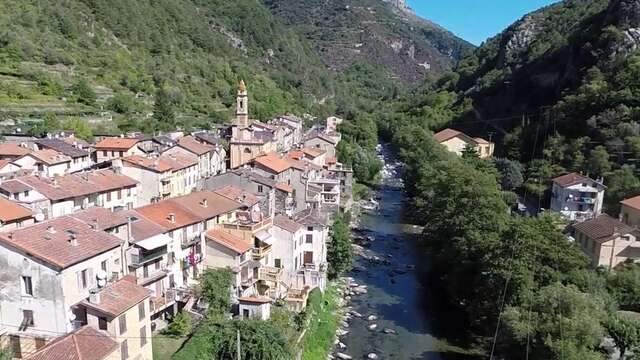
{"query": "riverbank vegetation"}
pixel 323 312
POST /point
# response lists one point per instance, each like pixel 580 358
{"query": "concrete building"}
pixel 456 141
pixel 210 160
pixel 227 250
pixel 577 197
pixel 116 147
pixel 122 310
pixel 255 307
pixel 70 193
pixel 607 241
pixel 80 158
pixel 47 163
pixel 48 269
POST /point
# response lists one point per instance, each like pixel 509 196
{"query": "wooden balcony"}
pixel 261 252
pixel 269 273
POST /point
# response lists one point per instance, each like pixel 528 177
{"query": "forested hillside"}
pixel 345 32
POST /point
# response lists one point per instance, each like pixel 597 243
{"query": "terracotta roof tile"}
pixel 179 161
pixel 286 223
pixel 86 343
pixel 229 241
pixel 273 162
pixel 119 297
pixel 633 202
pixel 238 195
pixel 14 186
pixel 284 187
pixel 157 164
pixel 116 143
pixel 602 228
pixel 296 154
pixel 10 211
pixel 62 147
pixel 160 213
pixel 570 179
pixel 446 134
pixel 101 218
pixel 312 152
pixel 50 241
pixel 141 227
pixel 11 149
pixel 194 146
pixel 49 156
pixel 216 204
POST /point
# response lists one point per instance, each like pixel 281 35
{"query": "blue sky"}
pixel 475 20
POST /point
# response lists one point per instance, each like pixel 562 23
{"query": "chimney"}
pixel 172 217
pixel 73 240
pixel 94 296
pixel 51 230
pixel 204 202
pixel 94 224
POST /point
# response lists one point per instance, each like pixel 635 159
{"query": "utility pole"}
pixel 238 344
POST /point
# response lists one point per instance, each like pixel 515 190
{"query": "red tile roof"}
pixel 570 179
pixel 633 202
pixel 238 195
pixel 229 241
pixel 160 213
pixel 141 227
pixel 86 343
pixel 49 156
pixel 312 152
pixel 273 162
pixel 50 241
pixel 10 211
pixel 603 228
pixel 284 187
pixel 286 223
pixel 179 161
pixel 296 154
pixel 156 164
pixel 191 144
pixel 71 185
pixel 216 204
pixel 116 143
pixel 101 218
pixel 11 149
pixel 447 134
pixel 119 297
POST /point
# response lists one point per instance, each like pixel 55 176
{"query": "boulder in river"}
pixel 372 326
pixel 390 331
pixel 372 356
pixel 372 318
pixel 343 356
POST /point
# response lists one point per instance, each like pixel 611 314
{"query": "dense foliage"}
pixel 339 254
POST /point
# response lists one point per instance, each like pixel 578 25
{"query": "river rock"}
pixel 341 332
pixel 390 331
pixel 356 314
pixel 372 326
pixel 342 345
pixel 343 356
pixel 372 318
pixel 372 356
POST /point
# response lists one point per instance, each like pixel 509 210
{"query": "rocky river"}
pixel 389 314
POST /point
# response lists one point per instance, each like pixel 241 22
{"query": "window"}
pixel 109 196
pixel 27 318
pixel 260 189
pixel 83 278
pixel 122 322
pixel 119 194
pixel 124 350
pixel 129 192
pixel 309 228
pixel 102 323
pixel 143 336
pixel 27 286
pixel 141 313
pixel 103 266
pixel 40 343
pixel 278 263
pixel 120 153
pixel 14 344
pixel 104 153
pixel 309 239
pixel 26 193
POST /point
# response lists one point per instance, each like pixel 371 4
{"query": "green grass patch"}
pixel 324 313
pixel 165 346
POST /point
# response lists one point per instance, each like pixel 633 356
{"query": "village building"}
pixel 456 142
pixel 255 307
pixel 121 308
pixel 223 250
pixel 53 197
pixel 318 139
pixel 184 173
pixel 47 162
pixel 80 158
pixel 259 185
pixel 246 144
pixel 12 150
pixel 577 197
pixel 50 267
pixel 116 147
pixel 210 160
pixel 630 211
pixel 607 241
pixel 295 123
pixel 154 175
pixel 14 216
pixel 9 169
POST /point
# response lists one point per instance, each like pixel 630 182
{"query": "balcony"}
pixel 138 256
pixel 190 240
pixel 582 200
pixel 269 273
pixel 159 303
pixel 153 276
pixel 260 252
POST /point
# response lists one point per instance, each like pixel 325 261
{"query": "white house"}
pixel 577 197
pixel 47 162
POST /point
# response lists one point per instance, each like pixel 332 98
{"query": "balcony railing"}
pixel 190 240
pixel 269 273
pixel 261 252
pixel 141 257
pixel 159 303
pixel 584 200
pixel 153 276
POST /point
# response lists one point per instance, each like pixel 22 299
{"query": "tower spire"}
pixel 242 105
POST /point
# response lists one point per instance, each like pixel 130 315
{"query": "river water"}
pixel 397 293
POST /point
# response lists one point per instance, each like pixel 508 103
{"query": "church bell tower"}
pixel 242 106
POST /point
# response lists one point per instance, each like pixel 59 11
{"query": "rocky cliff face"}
pixel 384 33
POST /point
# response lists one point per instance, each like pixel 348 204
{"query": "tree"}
pixel 49 124
pixel 339 253
pixel 599 163
pixel 83 92
pixel 5 354
pixel 80 128
pixel 625 333
pixel 510 173
pixel 216 290
pixel 180 325
pixel 121 103
pixel 163 110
